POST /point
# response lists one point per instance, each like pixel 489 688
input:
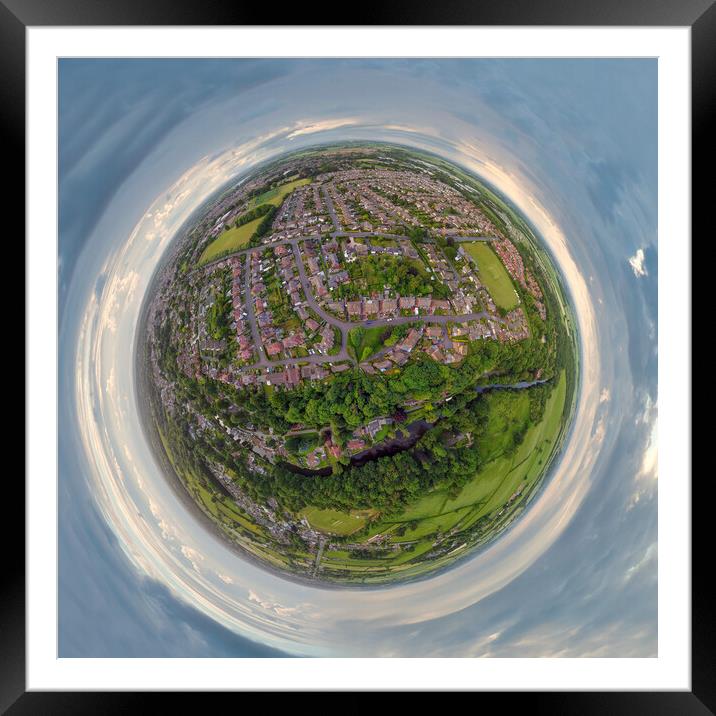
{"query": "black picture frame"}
pixel 699 15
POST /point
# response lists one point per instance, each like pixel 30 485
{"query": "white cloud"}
pixel 275 607
pixel 637 263
pixel 648 558
pixel 322 126
pixel 193 556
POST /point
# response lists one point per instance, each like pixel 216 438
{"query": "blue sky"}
pixel 573 142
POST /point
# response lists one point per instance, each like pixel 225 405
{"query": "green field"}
pixel 380 241
pixel 493 274
pixel 363 342
pixel 276 195
pixel 339 523
pixel 501 476
pixel 237 237
pixel 231 240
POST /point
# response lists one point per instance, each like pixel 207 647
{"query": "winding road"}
pixel 342 325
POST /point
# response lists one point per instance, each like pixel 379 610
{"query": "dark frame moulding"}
pixel 699 15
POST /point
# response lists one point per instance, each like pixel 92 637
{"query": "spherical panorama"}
pixel 359 363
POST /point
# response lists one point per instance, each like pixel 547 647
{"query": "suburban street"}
pixel 248 304
pixel 328 297
pixel 331 209
pixel 342 325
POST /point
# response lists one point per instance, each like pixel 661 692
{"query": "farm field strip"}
pixel 231 240
pixel 276 196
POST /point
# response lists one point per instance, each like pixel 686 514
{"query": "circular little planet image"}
pixel 358 363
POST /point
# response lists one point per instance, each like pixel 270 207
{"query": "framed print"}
pixel 355 354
